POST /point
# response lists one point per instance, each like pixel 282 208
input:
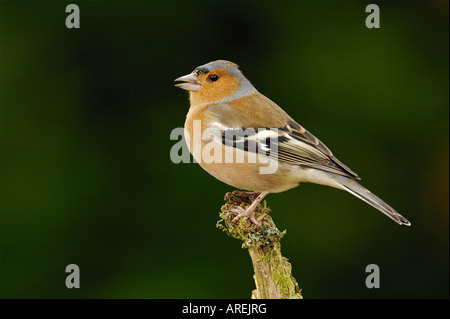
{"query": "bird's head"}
pixel 215 82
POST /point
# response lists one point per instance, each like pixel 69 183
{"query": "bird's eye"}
pixel 213 77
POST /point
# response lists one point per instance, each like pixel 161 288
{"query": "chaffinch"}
pixel 234 133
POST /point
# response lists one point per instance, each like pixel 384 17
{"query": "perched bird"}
pixel 229 122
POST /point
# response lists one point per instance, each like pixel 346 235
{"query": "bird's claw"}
pixel 241 212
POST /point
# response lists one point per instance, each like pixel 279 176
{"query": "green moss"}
pixel 281 275
pixel 266 238
pixel 248 233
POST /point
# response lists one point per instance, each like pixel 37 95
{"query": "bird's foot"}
pixel 241 212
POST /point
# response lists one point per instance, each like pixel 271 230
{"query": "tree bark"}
pixel 273 273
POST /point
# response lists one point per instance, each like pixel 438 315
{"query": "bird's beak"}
pixel 191 83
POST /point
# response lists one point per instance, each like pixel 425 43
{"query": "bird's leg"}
pixel 251 195
pixel 249 211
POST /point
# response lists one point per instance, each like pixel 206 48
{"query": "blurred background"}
pixel 86 176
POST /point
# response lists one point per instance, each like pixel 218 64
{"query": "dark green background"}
pixel 86 176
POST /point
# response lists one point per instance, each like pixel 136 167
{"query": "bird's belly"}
pixel 248 177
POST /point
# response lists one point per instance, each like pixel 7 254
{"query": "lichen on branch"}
pixel 273 273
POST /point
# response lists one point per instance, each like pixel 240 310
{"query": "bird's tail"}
pixel 364 194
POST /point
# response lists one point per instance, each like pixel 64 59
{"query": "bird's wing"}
pixel 288 143
pixel 298 146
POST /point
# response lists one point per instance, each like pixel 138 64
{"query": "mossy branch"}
pixel 273 273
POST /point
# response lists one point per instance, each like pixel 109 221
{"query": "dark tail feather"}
pixel 364 194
